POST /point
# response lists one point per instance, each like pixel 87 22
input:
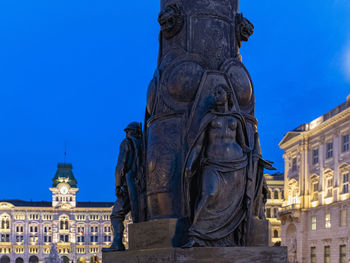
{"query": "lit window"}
pixel 342 254
pixel 5 222
pixel 268 212
pixel 315 191
pixel 346 183
pixel 346 142
pixel 315 156
pixel 313 223
pixel 329 150
pixel 329 187
pixel 343 217
pixel 328 220
pixel 313 255
pixel 327 254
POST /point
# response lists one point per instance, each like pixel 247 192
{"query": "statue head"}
pixel 244 28
pixel 171 20
pixel 134 129
pixel 223 95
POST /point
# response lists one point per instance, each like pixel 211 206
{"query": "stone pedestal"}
pixel 200 255
pixel 158 241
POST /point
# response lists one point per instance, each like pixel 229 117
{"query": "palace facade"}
pixel 79 229
pixel 275 195
pixel 315 214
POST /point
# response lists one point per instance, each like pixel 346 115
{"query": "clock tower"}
pixel 64 187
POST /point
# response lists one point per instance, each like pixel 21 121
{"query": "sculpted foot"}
pixel 118 247
pixel 190 243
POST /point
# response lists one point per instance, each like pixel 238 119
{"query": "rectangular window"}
pixel 294 164
pixel 92 238
pixel 5 237
pixel 329 187
pixel 313 254
pixel 315 156
pixel 346 143
pixel 268 212
pixel 345 183
pixel 329 150
pixel 343 217
pixel 327 254
pixel 328 220
pixel 315 191
pixel 342 254
pixel 313 223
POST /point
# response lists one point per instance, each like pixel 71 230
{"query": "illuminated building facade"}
pixel 315 213
pixel 275 184
pixel 79 229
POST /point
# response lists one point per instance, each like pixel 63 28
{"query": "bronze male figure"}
pixel 128 175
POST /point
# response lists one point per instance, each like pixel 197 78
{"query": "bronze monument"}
pixel 202 168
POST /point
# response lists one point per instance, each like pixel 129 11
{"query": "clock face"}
pixel 64 190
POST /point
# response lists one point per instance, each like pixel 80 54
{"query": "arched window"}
pixel 5 222
pixel 268 194
pixel 64 222
pixel 19 260
pixel 275 233
pixel 94 259
pixel 275 194
pixel 4 259
pixel 33 259
pixel 65 259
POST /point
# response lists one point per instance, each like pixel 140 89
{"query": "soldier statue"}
pixel 128 178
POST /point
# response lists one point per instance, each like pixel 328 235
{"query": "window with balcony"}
pixel 346 183
pixel 33 239
pixel 315 156
pixel 314 191
pixel 5 237
pixel 81 239
pixel 5 222
pixel 107 238
pixel 328 220
pixel 346 143
pixel 329 153
pixel 64 224
pixel 64 238
pixel 47 239
pixel 329 187
pixel 313 223
pixel 19 238
pixel 94 238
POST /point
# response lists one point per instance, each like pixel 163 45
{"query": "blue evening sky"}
pixel 76 72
